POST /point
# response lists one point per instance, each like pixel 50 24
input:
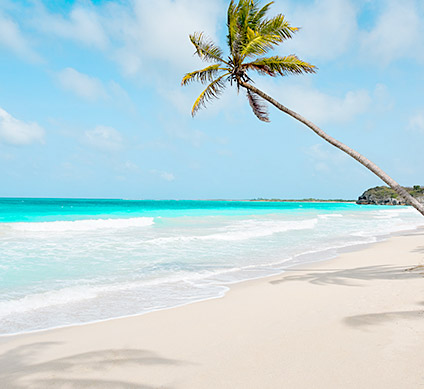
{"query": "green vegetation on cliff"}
pixel 387 196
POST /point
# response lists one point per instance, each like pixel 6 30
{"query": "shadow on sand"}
pixel 350 277
pixel 347 277
pixel 18 371
pixel 419 249
pixel 383 317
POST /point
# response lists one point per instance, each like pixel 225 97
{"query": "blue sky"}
pixel 91 103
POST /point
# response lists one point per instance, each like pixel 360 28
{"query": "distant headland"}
pixel 309 200
pixel 379 195
pixel 383 195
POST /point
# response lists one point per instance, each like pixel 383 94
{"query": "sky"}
pixel 91 104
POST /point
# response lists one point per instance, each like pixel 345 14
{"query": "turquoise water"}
pixel 43 210
pixel 67 261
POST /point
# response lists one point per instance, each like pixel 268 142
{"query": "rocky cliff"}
pixel 383 195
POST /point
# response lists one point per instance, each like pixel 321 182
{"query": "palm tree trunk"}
pixel 354 154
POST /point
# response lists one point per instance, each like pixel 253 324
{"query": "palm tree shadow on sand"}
pixel 349 277
pixel 419 249
pixel 19 372
pixel 372 319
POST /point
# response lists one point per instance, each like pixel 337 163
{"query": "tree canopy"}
pixel 251 35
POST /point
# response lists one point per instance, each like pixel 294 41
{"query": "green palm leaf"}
pixel 282 66
pixel 212 91
pixel 250 35
pixel 232 26
pixel 257 44
pixel 203 76
pixel 206 49
pixel 260 14
pixel 277 26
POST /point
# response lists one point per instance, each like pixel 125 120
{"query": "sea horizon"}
pixel 175 199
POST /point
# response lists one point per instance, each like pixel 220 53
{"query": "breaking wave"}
pixel 83 225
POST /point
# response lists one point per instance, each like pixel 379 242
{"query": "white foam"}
pixel 244 230
pixel 254 229
pixel 82 225
pixel 330 215
pixel 388 229
pixel 76 294
pixel 46 299
pixel 395 212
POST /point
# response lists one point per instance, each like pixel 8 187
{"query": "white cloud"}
pixel 104 138
pixel 167 176
pixel 147 39
pixel 135 34
pixel 398 33
pixel 141 40
pixel 17 132
pixel 328 28
pixel 12 38
pixel 130 166
pixel 321 107
pixel 82 25
pixel 164 175
pixel 325 158
pixel 93 89
pixel 383 100
pixel 89 88
pixel 416 122
pixel 195 137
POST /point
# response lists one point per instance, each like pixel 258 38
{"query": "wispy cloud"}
pixel 163 175
pixel 398 33
pixel 89 88
pixel 142 41
pixel 416 122
pixel 328 28
pixel 17 132
pixel 195 137
pixel 319 106
pixel 12 38
pixel 324 158
pixel 104 138
pixel 83 25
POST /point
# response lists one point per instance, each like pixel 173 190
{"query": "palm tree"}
pixel 250 36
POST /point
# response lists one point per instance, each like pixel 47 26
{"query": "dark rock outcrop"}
pixel 383 195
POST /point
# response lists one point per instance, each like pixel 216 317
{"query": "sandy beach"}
pixel 356 321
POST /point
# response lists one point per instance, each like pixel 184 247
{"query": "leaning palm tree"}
pixel 251 35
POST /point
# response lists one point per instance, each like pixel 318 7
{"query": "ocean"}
pixel 70 261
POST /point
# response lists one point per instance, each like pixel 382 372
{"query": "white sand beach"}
pixel 356 321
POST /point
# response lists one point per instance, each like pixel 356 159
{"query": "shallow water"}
pixel 66 262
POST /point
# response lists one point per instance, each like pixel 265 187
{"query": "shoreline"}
pixel 317 257
pixel 265 331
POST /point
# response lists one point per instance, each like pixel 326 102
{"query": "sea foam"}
pixel 56 273
pixel 244 230
pixel 83 225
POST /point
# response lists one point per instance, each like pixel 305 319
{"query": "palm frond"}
pixel 259 14
pixel 259 107
pixel 257 44
pixel 232 25
pixel 212 91
pixel 244 13
pixel 250 36
pixel 205 48
pixel 277 26
pixel 282 66
pixel 242 21
pixel 203 76
pixel 266 34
